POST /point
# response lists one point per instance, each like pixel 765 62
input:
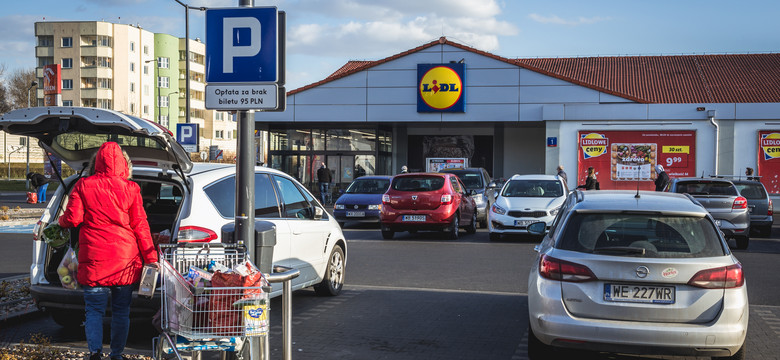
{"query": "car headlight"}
pixel 338 206
pixel 555 211
pixel 498 210
pixel 375 207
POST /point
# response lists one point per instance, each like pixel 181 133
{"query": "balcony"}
pixel 96 72
pixel 44 51
pixel 93 93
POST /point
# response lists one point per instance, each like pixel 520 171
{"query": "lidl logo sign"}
pixel 593 145
pixel 770 145
pixel 440 87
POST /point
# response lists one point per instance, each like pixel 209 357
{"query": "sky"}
pixel 322 35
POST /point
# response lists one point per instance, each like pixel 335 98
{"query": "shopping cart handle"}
pixel 282 274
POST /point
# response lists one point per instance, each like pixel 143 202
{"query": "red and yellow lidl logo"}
pixel 440 87
pixel 593 145
pixel 770 145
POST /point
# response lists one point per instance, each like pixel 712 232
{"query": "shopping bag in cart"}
pixel 226 306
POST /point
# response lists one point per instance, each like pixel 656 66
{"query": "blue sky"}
pixel 322 35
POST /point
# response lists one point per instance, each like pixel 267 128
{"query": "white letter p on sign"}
pixel 229 51
pixel 186 133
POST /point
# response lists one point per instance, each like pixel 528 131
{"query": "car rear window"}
pixel 706 188
pixel 471 180
pixel 533 188
pixel 418 183
pixel 752 191
pixel 368 186
pixel 641 235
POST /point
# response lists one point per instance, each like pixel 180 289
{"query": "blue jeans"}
pixel 42 193
pixel 324 192
pixel 95 300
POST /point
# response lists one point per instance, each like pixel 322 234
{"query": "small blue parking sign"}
pixel 187 135
pixel 241 45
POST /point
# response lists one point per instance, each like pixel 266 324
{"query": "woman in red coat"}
pixel 114 244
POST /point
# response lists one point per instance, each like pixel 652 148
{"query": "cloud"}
pixel 556 20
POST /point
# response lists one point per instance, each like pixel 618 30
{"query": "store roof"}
pixel 732 78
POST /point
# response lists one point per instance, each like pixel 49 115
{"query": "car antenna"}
pixel 637 189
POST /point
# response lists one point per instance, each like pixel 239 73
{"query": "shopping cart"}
pixel 202 317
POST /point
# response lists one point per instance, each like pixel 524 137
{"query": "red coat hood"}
pixel 110 161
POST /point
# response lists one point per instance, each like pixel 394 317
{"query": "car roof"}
pixel 627 200
pixel 702 179
pixel 369 177
pixel 474 169
pixel 534 177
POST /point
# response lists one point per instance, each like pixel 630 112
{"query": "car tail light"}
pixel 446 199
pixel 556 269
pixel 385 199
pixel 719 278
pixel 770 211
pixel 195 234
pixel 739 203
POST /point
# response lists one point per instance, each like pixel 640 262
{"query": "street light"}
pixel 168 125
pixel 27 142
pixel 187 9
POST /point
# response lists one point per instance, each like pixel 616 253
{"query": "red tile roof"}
pixel 737 78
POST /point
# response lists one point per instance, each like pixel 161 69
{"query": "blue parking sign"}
pixel 241 45
pixel 187 135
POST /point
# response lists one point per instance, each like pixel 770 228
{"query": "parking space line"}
pixel 405 288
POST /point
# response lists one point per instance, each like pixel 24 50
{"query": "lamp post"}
pixel 168 125
pixel 27 141
pixel 187 55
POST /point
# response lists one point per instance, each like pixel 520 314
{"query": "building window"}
pixel 67 63
pixel 146 70
pixel 104 103
pixel 46 41
pixel 67 84
pixel 132 67
pixel 146 49
pixel 146 109
pixel 163 81
pixel 146 90
pixel 67 102
pixel 132 87
pixel 132 107
pixel 104 83
pixel 163 63
pixel 132 46
pixel 67 42
pixel 163 120
pixel 162 101
pixel 219 134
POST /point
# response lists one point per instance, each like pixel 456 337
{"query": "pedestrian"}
pixel 661 178
pixel 40 183
pixel 404 169
pixel 749 174
pixel 591 183
pixel 114 243
pixel 324 178
pixel 562 174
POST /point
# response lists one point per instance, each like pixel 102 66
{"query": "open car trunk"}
pixel 162 201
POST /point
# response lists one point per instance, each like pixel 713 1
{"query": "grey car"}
pixel 635 272
pixel 477 179
pixel 722 199
pixel 760 205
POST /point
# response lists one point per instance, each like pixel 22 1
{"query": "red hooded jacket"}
pixel 114 239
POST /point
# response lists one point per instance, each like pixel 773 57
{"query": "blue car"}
pixel 362 202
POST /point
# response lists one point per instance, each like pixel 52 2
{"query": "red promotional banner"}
pixel 769 159
pixel 627 159
pixel 52 79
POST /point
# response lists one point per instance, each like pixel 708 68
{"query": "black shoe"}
pixel 96 356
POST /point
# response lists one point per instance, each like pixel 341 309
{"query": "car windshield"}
pixel 533 188
pixel 706 188
pixel 752 191
pixel 83 141
pixel 641 235
pixel 472 180
pixel 418 183
pixel 368 186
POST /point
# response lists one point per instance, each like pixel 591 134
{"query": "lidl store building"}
pixel 444 104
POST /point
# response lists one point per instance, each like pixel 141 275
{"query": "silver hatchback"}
pixel 636 272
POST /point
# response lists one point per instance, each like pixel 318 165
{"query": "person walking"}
pixel 591 183
pixel 661 178
pixel 114 243
pixel 562 174
pixel 40 183
pixel 324 178
pixel 404 169
pixel 749 174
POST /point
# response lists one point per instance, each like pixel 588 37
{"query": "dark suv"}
pixel 724 202
pixel 760 205
pixel 476 179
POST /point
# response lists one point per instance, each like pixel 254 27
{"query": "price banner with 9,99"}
pixel 627 159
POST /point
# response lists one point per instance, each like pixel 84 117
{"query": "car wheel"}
pixel 387 234
pixel 739 355
pixel 452 231
pixel 67 319
pixel 495 236
pixel 472 228
pixel 742 242
pixel 333 281
pixel 536 348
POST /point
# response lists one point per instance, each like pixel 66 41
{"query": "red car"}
pixel 428 201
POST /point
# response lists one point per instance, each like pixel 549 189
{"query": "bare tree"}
pixel 18 88
pixel 5 106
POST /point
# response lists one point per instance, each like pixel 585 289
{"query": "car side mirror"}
pixel 492 184
pixel 537 228
pixel 317 213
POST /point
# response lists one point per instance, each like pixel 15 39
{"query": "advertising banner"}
pixel 769 159
pixel 625 160
pixel 437 164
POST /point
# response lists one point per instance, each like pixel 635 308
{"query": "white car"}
pixel 523 200
pixel 190 202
